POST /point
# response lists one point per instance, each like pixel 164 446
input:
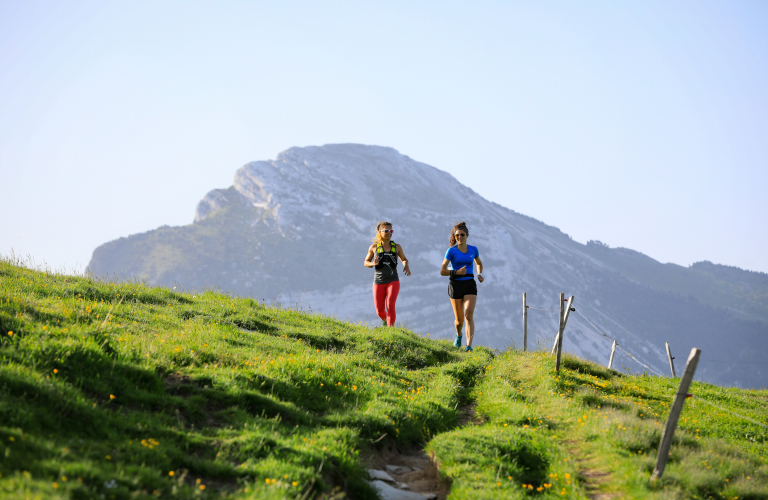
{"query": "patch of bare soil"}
pixel 469 416
pixel 415 469
pixel 593 479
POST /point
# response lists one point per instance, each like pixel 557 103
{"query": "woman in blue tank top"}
pixel 462 289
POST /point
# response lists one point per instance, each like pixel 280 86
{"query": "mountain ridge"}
pixel 257 238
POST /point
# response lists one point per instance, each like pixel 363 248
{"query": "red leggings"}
pixel 384 298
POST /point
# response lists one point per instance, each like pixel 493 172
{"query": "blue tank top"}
pixel 459 260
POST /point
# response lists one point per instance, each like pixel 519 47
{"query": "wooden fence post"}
pixel 525 323
pixel 560 333
pixel 567 311
pixel 563 322
pixel 564 319
pixel 674 414
pixel 613 351
pixel 671 364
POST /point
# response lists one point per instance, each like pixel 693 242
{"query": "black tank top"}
pixel 386 270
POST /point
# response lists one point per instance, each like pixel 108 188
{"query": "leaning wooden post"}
pixel 613 351
pixel 674 414
pixel 567 312
pixel 560 333
pixel 671 364
pixel 557 338
pixel 525 324
pixel 564 321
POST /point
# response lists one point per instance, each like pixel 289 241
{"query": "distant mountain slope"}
pixel 298 228
pixel 744 293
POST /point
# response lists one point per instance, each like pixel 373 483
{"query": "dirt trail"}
pixel 416 471
pixel 593 472
pixel 468 415
pixel 593 477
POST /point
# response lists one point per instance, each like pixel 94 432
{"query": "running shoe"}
pixel 457 341
pixel 383 323
pixel 468 349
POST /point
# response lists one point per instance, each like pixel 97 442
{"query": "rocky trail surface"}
pixel 405 476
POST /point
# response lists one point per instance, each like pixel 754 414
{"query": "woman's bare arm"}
pixel 479 268
pixel 371 259
pixel 444 271
pixel 406 269
pixel 444 268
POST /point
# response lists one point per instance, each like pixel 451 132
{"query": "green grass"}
pixel 130 391
pixel 597 432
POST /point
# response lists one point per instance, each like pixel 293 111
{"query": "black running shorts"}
pixel 458 289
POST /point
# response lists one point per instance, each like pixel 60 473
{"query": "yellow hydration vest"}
pixel 380 247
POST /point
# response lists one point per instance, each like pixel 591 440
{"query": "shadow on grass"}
pixel 596 401
pixel 582 366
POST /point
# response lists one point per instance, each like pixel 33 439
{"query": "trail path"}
pixel 405 476
pixel 416 472
pixel 592 468
pixel 580 447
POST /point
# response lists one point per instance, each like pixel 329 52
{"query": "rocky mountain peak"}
pixel 260 238
pixel 327 180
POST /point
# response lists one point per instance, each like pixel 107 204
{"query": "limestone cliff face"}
pixel 298 228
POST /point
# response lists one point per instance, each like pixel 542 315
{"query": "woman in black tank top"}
pixel 382 256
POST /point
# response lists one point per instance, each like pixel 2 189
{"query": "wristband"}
pixel 453 273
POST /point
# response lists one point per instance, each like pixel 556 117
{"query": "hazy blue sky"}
pixel 644 124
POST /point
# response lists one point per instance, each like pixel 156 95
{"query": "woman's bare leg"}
pixel 469 316
pixel 458 314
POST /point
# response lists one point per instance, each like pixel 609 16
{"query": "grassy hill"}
pixel 121 390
